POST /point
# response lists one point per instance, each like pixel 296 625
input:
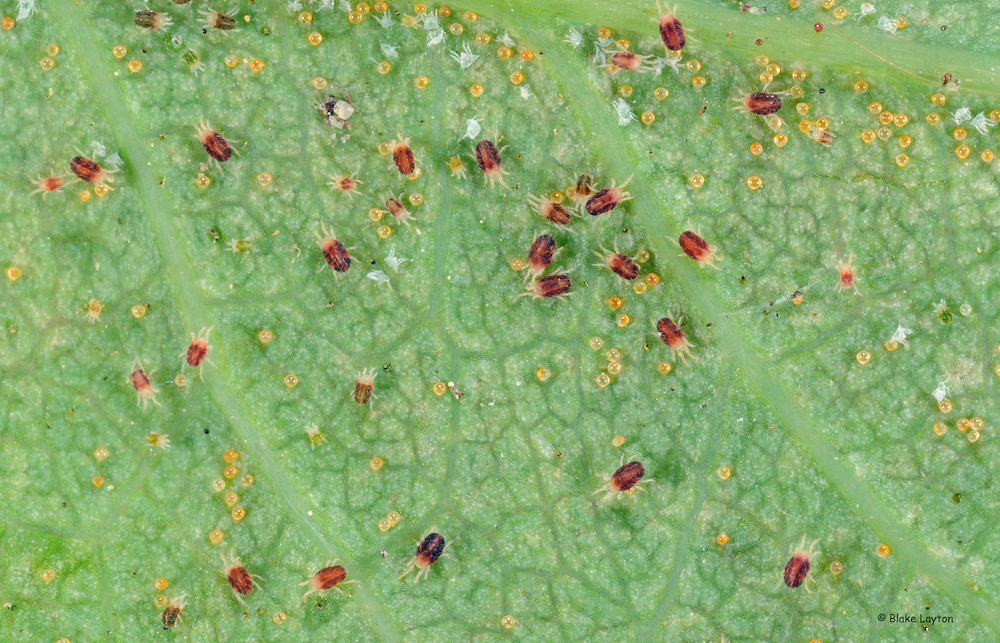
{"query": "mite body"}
pixel 821 136
pixel 398 210
pixel 553 212
pixel 365 386
pixel 218 21
pixel 607 199
pixel 47 185
pixel 143 385
pixel 346 184
pixel 337 256
pixel 798 566
pixel 214 143
pixel 847 279
pixel 625 60
pixel 147 19
pixel 197 351
pixel 548 287
pixel 698 249
pixel 89 171
pixel 673 336
pixel 542 251
pixel 624 480
pixel 760 103
pixel 239 578
pixel 172 613
pixel 402 156
pixel 622 265
pixel 430 548
pixel 671 31
pixel 488 158
pixel 326 579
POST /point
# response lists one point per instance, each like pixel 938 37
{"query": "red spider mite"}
pixel 197 351
pixel 550 210
pixel 218 21
pixel 488 157
pixel 671 31
pixel 607 199
pixel 428 551
pixel 147 19
pixel 398 210
pixel 551 286
pixel 760 103
pixel 326 579
pixel 239 578
pixel 144 389
pixel 336 255
pixel 172 613
pixel 697 248
pixel 364 387
pixel 673 337
pixel 621 265
pixel 89 171
pixel 628 61
pixel 47 185
pixel 214 144
pixel 402 156
pixel 798 566
pixel 846 270
pixel 623 480
pixel 346 184
pixel 542 251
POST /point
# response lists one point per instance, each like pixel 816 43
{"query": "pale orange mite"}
pixel 847 278
pixel 197 352
pixel 553 212
pixel 346 184
pixel 48 185
pixel 326 579
pixel 143 385
pixel 365 386
pixel 398 210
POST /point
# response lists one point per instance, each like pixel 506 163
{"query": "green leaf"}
pixel 504 464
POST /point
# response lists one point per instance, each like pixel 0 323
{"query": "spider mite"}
pixel 488 157
pixel 89 171
pixel 172 613
pixel 326 579
pixel 673 337
pixel 619 264
pixel 334 252
pixel 607 199
pixel 624 480
pixel 552 211
pixel 214 144
pixel 428 551
pixel 584 187
pixel 671 31
pixel 197 351
pixel 218 21
pixel 542 251
pixel 239 578
pixel 546 287
pixel 628 61
pixel 346 184
pixel 696 248
pixel 402 156
pixel 398 210
pixel 821 136
pixel 364 387
pixel 846 270
pixel 152 20
pixel 760 103
pixel 798 567
pixel 47 185
pixel 143 386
